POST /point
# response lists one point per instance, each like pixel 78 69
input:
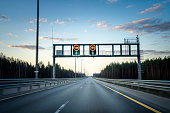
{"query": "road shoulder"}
pixel 153 99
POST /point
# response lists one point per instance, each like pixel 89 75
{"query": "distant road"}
pixel 85 96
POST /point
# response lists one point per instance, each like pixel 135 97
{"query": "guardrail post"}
pixel 1 91
pixel 18 89
pixel 30 86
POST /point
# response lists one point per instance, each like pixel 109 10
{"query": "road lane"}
pixel 94 98
pixel 47 101
pixel 85 96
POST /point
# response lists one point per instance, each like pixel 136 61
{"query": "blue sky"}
pixel 83 21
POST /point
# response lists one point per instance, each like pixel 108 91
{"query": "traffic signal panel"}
pixel 76 49
pixel 92 48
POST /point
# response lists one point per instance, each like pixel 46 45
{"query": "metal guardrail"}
pixel 11 86
pixel 159 85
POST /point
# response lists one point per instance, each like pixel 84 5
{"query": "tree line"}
pixel 152 69
pixel 15 68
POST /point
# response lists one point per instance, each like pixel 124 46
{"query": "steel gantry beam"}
pixel 102 50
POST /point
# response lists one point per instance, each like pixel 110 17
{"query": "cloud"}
pixel 71 20
pixel 4 18
pixel 40 20
pixel 156 52
pixel 147 25
pixel 44 38
pixel 3 43
pixel 85 31
pixel 156 7
pixel 131 27
pixel 50 38
pixel 58 39
pixel 70 39
pixel 107 25
pixel 32 30
pixel 43 20
pixel 112 1
pixel 129 6
pixel 165 36
pixel 57 34
pixel 103 24
pixel 166 1
pixel 30 47
pixel 12 35
pixel 91 20
pixel 141 21
pixel 57 21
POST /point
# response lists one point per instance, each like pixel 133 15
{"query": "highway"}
pixel 85 96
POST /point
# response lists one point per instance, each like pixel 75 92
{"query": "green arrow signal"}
pixel 76 53
pixel 92 52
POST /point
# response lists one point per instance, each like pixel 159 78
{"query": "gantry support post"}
pixel 53 61
pixel 75 67
pixel 138 57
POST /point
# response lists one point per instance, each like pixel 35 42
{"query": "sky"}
pixel 83 21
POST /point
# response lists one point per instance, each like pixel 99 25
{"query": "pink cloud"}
pixel 30 47
pixel 156 7
pixel 112 1
pixel 32 30
pixel 12 35
pixel 143 26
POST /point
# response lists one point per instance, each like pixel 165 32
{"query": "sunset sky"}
pixel 83 21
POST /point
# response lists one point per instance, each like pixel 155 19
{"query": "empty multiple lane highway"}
pixel 85 96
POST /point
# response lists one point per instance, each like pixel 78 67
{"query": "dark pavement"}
pixel 84 96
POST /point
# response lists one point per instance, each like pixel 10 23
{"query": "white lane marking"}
pixel 62 106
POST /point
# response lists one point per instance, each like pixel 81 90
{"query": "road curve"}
pixel 84 96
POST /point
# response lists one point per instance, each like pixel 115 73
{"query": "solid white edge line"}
pixel 62 106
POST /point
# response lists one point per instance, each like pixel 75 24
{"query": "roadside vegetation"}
pixel 152 69
pixel 15 68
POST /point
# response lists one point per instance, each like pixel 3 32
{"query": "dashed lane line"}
pixel 62 106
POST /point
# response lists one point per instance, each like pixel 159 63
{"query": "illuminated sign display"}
pixel 92 48
pixel 76 49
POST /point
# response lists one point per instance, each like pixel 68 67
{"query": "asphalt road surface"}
pixel 85 96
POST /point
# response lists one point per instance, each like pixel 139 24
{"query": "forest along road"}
pixel 85 96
